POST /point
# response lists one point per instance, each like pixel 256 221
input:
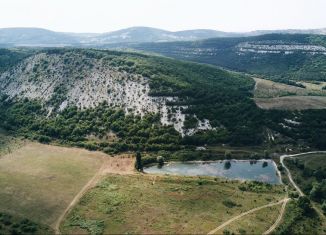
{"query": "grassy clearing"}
pixel 255 223
pixel 39 181
pixel 313 85
pixel 269 89
pixel 273 95
pixel 292 102
pixel 163 204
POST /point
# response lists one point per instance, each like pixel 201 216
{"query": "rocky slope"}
pixel 75 79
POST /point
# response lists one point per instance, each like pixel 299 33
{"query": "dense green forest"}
pixel 276 66
pixel 224 98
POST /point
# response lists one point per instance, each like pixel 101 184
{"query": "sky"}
pixel 97 16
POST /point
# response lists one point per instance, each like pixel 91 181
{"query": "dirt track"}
pixel 122 164
pixel 246 213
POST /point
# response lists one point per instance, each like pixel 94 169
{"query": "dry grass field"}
pixel 292 102
pixel 273 95
pixel 39 181
pixel 269 89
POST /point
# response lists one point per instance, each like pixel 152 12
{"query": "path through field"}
pixel 284 201
pixel 279 218
pixel 112 165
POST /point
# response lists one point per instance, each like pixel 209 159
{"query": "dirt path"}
pixel 292 181
pixel 289 174
pixel 288 171
pixel 279 218
pixel 123 165
pixel 246 213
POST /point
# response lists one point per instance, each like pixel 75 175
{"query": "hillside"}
pixel 281 57
pixel 95 99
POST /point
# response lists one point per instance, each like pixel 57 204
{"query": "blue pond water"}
pixel 242 170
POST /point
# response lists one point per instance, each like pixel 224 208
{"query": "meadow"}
pixel 166 204
pixel 39 181
pixel 274 95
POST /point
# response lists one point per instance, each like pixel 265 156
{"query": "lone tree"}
pixel 138 164
pixel 228 154
pixel 160 161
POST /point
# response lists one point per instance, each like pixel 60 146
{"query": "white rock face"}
pixel 276 47
pixel 87 88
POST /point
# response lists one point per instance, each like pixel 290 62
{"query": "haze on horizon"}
pixel 98 16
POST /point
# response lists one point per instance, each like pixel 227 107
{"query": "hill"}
pixel 10 37
pixel 280 57
pixel 31 37
pixel 118 101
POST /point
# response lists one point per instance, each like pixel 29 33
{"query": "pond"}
pixel 262 170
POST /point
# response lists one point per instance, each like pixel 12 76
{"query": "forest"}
pixel 223 97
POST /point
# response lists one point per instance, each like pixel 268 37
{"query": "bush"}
pixel 230 204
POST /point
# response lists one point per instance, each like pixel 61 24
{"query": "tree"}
pixel 228 154
pixel 160 161
pixel 138 164
pixel 305 205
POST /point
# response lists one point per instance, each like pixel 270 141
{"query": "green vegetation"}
pixel 297 221
pixel 8 143
pixel 222 97
pixel 11 57
pixel 255 223
pixel 168 205
pixel 15 225
pixel 309 172
pixel 138 163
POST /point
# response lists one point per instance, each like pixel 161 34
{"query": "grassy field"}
pixel 39 181
pixel 273 95
pixel 269 89
pixel 255 223
pixel 292 102
pixel 163 204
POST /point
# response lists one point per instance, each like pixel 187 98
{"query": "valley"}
pixel 76 122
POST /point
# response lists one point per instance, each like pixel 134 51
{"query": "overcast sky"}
pixel 109 15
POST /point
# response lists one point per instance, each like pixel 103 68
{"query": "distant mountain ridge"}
pixel 280 57
pixel 44 37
